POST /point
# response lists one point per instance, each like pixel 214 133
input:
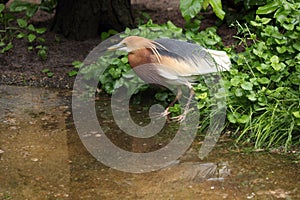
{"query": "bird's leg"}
pixel 178 95
pixel 181 117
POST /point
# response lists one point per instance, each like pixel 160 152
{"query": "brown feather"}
pixel 141 57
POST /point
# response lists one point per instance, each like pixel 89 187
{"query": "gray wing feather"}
pixel 194 54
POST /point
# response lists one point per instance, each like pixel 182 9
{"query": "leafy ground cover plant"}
pixel 190 8
pixel 264 86
pixel 18 26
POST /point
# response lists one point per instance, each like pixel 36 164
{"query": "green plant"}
pixel 190 8
pixel 264 85
pixel 20 28
pixel 48 73
pixel 105 35
pixel 5 29
pixel 76 65
pixel 28 31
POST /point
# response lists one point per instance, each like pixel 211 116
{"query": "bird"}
pixel 166 61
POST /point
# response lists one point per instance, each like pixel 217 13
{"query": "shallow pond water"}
pixel 42 157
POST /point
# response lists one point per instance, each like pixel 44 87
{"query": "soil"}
pixel 22 67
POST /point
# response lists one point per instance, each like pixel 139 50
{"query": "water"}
pixel 42 157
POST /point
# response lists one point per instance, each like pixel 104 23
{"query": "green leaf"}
pixel 7 47
pixel 269 8
pixel 231 118
pixel 50 74
pixel 281 49
pixel 190 8
pixel 22 23
pixel 45 70
pixel 2 7
pixel 31 27
pixel 247 86
pixel 252 96
pixel 201 95
pixel 263 80
pixel 21 35
pixel 124 60
pixel 254 23
pixel 243 119
pixel 297 46
pixel 236 80
pixel 40 30
pixel 217 8
pixel 297 114
pixel 31 37
pixel 31 10
pixel 18 6
pixel 238 92
pixel 72 73
pixel 41 40
pixel 281 15
pixel 205 4
pixel 265 20
pixel 77 64
pixel 274 59
pixel 233 71
pixel 115 72
pixel 289 27
pixel 42 53
pixel 278 66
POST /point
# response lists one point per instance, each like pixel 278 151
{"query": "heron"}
pixel 174 62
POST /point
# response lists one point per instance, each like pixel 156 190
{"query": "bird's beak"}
pixel 119 46
pixel 114 47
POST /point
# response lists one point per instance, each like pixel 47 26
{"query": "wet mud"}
pixel 42 157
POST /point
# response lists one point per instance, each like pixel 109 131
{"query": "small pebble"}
pixel 250 196
pixel 34 159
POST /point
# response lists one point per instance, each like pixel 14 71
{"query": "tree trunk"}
pixel 82 19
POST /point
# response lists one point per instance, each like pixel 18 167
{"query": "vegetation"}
pixel 18 27
pixel 263 86
pixel 190 8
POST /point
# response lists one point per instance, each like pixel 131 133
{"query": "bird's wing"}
pixel 150 74
pixel 155 73
pixel 193 58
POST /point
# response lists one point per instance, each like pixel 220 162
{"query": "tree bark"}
pixel 83 19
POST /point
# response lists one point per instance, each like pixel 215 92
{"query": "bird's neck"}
pixel 141 57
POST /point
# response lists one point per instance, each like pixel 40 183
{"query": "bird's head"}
pixel 132 43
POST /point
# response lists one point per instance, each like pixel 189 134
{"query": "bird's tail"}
pixel 221 58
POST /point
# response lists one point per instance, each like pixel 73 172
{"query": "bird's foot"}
pixel 163 114
pixel 182 117
pixel 179 118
